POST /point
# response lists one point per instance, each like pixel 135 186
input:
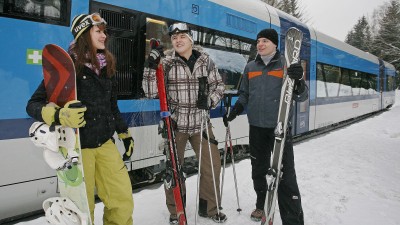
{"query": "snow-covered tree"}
pixel 360 36
pixel 274 3
pixel 387 42
pixel 291 7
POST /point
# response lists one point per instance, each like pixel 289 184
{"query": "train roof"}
pixel 254 8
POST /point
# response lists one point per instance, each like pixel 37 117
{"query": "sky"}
pixel 346 177
pixel 337 17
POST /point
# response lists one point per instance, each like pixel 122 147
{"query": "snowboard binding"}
pixel 62 211
pixel 58 145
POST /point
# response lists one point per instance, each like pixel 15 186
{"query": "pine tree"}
pixel 291 7
pixel 273 3
pixel 387 43
pixel 360 36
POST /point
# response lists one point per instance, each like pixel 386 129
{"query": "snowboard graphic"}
pixel 60 82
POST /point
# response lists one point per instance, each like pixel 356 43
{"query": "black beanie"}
pixel 80 24
pixel 269 34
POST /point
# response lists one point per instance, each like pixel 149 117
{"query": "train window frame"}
pixel 9 8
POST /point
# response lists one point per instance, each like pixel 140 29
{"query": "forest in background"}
pixel 378 33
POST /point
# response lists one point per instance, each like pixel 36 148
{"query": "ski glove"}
pixel 129 143
pixel 71 115
pixel 203 103
pixel 155 57
pixel 237 110
pixel 295 71
pixel 300 87
pixel 203 100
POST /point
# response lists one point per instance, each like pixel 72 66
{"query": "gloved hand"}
pixel 295 71
pixel 129 143
pixel 203 103
pixel 155 56
pixel 203 100
pixel 237 110
pixel 71 115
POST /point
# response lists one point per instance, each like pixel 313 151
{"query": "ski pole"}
pixel 205 118
pixel 199 173
pixel 233 168
pixel 228 139
pixel 225 149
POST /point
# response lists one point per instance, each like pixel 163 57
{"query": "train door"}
pixel 300 119
pixel 124 39
pixel 381 83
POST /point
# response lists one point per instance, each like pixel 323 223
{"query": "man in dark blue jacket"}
pixel 260 92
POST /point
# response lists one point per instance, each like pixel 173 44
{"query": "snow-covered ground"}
pixel 347 177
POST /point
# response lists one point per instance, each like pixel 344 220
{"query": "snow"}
pixel 346 177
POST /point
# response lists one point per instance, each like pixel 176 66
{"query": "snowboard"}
pixel 293 40
pixel 173 178
pixel 60 83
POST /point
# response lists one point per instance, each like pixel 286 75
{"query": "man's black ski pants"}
pixel 289 200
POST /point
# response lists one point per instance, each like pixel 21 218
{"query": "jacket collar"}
pixel 276 57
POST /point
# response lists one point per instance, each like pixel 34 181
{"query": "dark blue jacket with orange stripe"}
pixel 261 88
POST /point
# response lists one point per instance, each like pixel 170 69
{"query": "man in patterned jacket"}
pixel 183 66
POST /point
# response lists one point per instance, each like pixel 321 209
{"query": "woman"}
pixel 98 120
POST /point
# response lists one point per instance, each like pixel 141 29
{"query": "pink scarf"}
pixel 101 58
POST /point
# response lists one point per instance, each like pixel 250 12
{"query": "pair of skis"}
pixel 293 40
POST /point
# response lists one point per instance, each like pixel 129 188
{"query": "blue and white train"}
pixel 344 82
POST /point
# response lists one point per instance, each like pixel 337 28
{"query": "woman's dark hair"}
pixel 83 52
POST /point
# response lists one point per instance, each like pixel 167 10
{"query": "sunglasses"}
pixel 178 28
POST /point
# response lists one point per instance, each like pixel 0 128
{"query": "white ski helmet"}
pixel 62 211
pixel 41 136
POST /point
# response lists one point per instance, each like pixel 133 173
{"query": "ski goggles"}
pixel 178 28
pixel 96 19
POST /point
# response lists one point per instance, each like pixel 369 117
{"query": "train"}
pixel 344 82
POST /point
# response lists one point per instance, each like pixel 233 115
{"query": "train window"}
pixel 373 82
pixel 334 81
pixel 332 76
pixel 303 106
pixel 221 41
pixel 229 53
pixel 157 29
pixel 345 84
pixel 321 84
pixel 368 84
pixel 230 66
pixel 53 12
pixel 390 84
pixel 355 82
